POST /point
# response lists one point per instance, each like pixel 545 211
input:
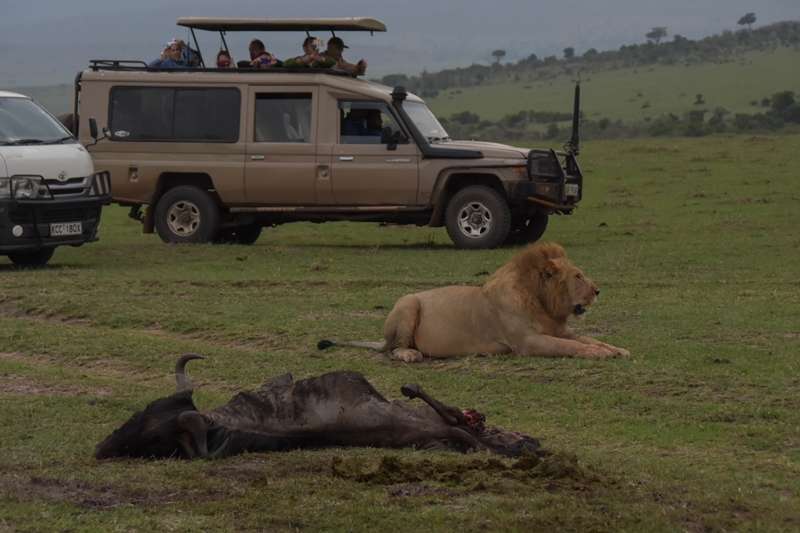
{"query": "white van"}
pixel 50 194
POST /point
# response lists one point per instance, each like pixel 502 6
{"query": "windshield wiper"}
pixel 62 140
pixel 20 142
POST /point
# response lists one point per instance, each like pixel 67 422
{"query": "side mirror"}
pixel 94 133
pixel 392 139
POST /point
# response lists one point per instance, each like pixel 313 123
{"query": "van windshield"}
pixel 24 122
pixel 425 121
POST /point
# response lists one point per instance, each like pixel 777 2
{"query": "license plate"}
pixel 571 189
pixel 64 229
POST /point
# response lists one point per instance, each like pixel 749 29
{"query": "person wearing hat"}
pixel 170 57
pixel 334 52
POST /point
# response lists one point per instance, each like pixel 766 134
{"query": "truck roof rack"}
pixel 293 24
pixel 132 65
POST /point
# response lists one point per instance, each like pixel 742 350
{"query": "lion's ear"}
pixel 550 268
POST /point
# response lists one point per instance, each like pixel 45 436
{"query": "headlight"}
pixel 28 188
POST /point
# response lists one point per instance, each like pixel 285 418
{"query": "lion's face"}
pixel 571 291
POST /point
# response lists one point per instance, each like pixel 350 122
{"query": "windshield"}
pixel 425 121
pixel 23 122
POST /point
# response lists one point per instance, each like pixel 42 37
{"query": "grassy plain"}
pixel 693 242
pixel 634 94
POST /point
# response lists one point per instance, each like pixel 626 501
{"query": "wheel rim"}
pixel 183 218
pixel 475 220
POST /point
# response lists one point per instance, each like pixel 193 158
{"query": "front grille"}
pixel 68 187
pixel 47 215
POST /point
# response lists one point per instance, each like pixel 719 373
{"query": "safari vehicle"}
pixel 49 193
pixel 206 154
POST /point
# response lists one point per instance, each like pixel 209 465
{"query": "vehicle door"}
pixel 373 162
pixel 281 159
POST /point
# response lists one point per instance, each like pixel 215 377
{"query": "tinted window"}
pixel 174 114
pixel 365 122
pixel 283 118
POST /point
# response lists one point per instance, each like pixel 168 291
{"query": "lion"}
pixel 523 308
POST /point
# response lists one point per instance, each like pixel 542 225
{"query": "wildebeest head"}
pixel 167 427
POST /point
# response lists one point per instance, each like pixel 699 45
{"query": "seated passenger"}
pixel 334 52
pixel 374 123
pixel 189 56
pixel 310 54
pixel 224 59
pixel 170 57
pixel 259 57
pixel 354 124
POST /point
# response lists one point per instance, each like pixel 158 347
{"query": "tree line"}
pixel 656 50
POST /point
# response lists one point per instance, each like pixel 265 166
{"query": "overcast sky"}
pixel 46 42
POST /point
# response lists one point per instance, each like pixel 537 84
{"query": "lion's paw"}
pixel 597 351
pixel 407 355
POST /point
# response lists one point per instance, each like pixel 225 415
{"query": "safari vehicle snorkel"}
pixel 429 151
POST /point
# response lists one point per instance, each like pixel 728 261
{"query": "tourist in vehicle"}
pixel 311 54
pixel 335 50
pixel 224 59
pixel 259 57
pixel 170 57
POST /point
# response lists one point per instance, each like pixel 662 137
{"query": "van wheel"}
pixel 528 230
pixel 478 217
pixel 39 258
pixel 239 235
pixel 187 214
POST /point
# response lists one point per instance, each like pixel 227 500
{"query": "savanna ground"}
pixel 694 244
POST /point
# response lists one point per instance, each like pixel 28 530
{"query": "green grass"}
pixel 634 94
pixel 693 242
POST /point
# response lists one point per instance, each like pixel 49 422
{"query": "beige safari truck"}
pixel 202 154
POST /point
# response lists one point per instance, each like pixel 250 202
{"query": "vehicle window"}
pixel 174 114
pixel 365 122
pixel 283 118
pixel 22 121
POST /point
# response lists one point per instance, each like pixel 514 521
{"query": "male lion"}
pixel 523 309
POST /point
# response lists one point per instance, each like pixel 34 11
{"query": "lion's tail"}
pixel 324 344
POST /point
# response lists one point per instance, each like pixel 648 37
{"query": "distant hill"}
pixel 637 93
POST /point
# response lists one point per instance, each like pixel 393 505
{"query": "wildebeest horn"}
pixel 182 381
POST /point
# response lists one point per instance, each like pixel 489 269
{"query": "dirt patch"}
pixel 88 495
pixel 418 489
pixel 21 386
pixel 552 471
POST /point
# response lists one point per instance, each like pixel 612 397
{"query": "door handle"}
pixel 346 158
pixel 257 157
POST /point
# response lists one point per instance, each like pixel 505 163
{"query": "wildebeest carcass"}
pixel 335 409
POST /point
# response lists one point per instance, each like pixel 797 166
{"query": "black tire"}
pixel 247 234
pixel 186 214
pixel 239 235
pixel 478 217
pixel 528 230
pixel 36 259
